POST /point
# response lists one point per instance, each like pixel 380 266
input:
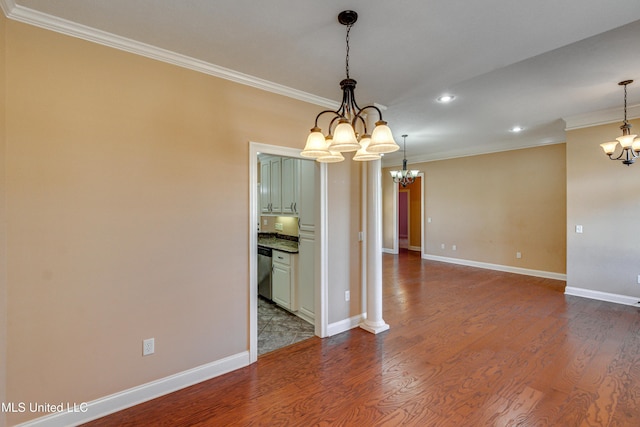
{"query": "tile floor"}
pixel 278 328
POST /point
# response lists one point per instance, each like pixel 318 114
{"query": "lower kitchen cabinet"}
pixel 284 280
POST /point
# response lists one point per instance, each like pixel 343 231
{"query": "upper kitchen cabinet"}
pixel 290 185
pixel 270 185
pixel 287 187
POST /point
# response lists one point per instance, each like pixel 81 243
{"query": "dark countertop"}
pixel 279 244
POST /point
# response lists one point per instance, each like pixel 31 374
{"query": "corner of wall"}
pixel 3 227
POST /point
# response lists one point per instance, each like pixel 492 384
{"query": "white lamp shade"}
pixel 332 157
pixel 626 140
pixel 609 147
pixel 636 144
pixel 344 138
pixel 382 139
pixel 316 145
pixel 362 155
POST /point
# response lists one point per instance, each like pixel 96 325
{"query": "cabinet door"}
pixel 265 187
pixel 306 276
pixel 289 185
pixel 276 184
pixel 307 198
pixel 281 285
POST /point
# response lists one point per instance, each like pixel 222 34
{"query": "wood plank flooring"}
pixel 467 347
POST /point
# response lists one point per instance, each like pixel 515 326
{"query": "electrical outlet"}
pixel 442 246
pixel 279 226
pixel 638 279
pixel 347 295
pixel 578 229
pixel 454 247
pixel 148 346
pixel 518 255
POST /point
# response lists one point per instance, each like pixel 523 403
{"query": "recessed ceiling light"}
pixel 446 98
pixel 516 129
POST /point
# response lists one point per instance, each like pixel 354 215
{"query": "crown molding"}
pixel 602 117
pixel 7 6
pixel 63 26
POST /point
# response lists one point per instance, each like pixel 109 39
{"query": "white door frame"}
pixel 396 225
pixel 321 284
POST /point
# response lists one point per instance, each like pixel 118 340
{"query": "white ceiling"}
pixel 508 62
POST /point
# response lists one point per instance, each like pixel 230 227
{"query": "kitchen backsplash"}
pixel 271 224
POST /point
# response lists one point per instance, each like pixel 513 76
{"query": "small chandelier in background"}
pixel 404 177
pixel 630 145
pixel 347 129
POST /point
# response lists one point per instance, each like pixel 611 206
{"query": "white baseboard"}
pixel 125 399
pixel 390 251
pixel 602 296
pixel 415 248
pixel 344 325
pixel 498 267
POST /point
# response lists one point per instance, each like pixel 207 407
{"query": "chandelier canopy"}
pixel 347 130
pixel 404 177
pixel 630 145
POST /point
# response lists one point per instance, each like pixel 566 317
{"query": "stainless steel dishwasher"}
pixel 264 271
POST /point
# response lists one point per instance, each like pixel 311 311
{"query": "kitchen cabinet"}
pixel 270 185
pixel 290 188
pixel 307 241
pixel 284 280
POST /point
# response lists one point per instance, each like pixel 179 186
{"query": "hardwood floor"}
pixel 467 347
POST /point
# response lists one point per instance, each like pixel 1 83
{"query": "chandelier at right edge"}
pixel 630 145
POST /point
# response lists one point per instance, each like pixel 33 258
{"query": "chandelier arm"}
pixel 325 112
pixel 333 122
pixel 364 123
pixel 363 109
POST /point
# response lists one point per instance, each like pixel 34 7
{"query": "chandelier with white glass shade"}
pixel 347 129
pixel 630 145
pixel 404 177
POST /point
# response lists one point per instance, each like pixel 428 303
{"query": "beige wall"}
pixel 344 221
pixel 494 205
pixel 602 196
pixel 3 222
pixel 121 221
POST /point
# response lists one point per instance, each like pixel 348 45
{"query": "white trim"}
pixel 363 241
pixel 7 6
pixel 602 117
pixel 423 243
pixel 345 325
pixel 145 392
pixel 497 267
pixel 390 251
pixel 414 248
pixel 602 296
pixel 396 222
pixel 322 292
pixel 42 20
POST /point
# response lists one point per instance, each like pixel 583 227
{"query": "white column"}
pixel 373 240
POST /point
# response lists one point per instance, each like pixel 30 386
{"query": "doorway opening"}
pixel 302 220
pixel 409 210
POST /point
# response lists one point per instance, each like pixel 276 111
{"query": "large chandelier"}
pixel 404 177
pixel 347 130
pixel 630 145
